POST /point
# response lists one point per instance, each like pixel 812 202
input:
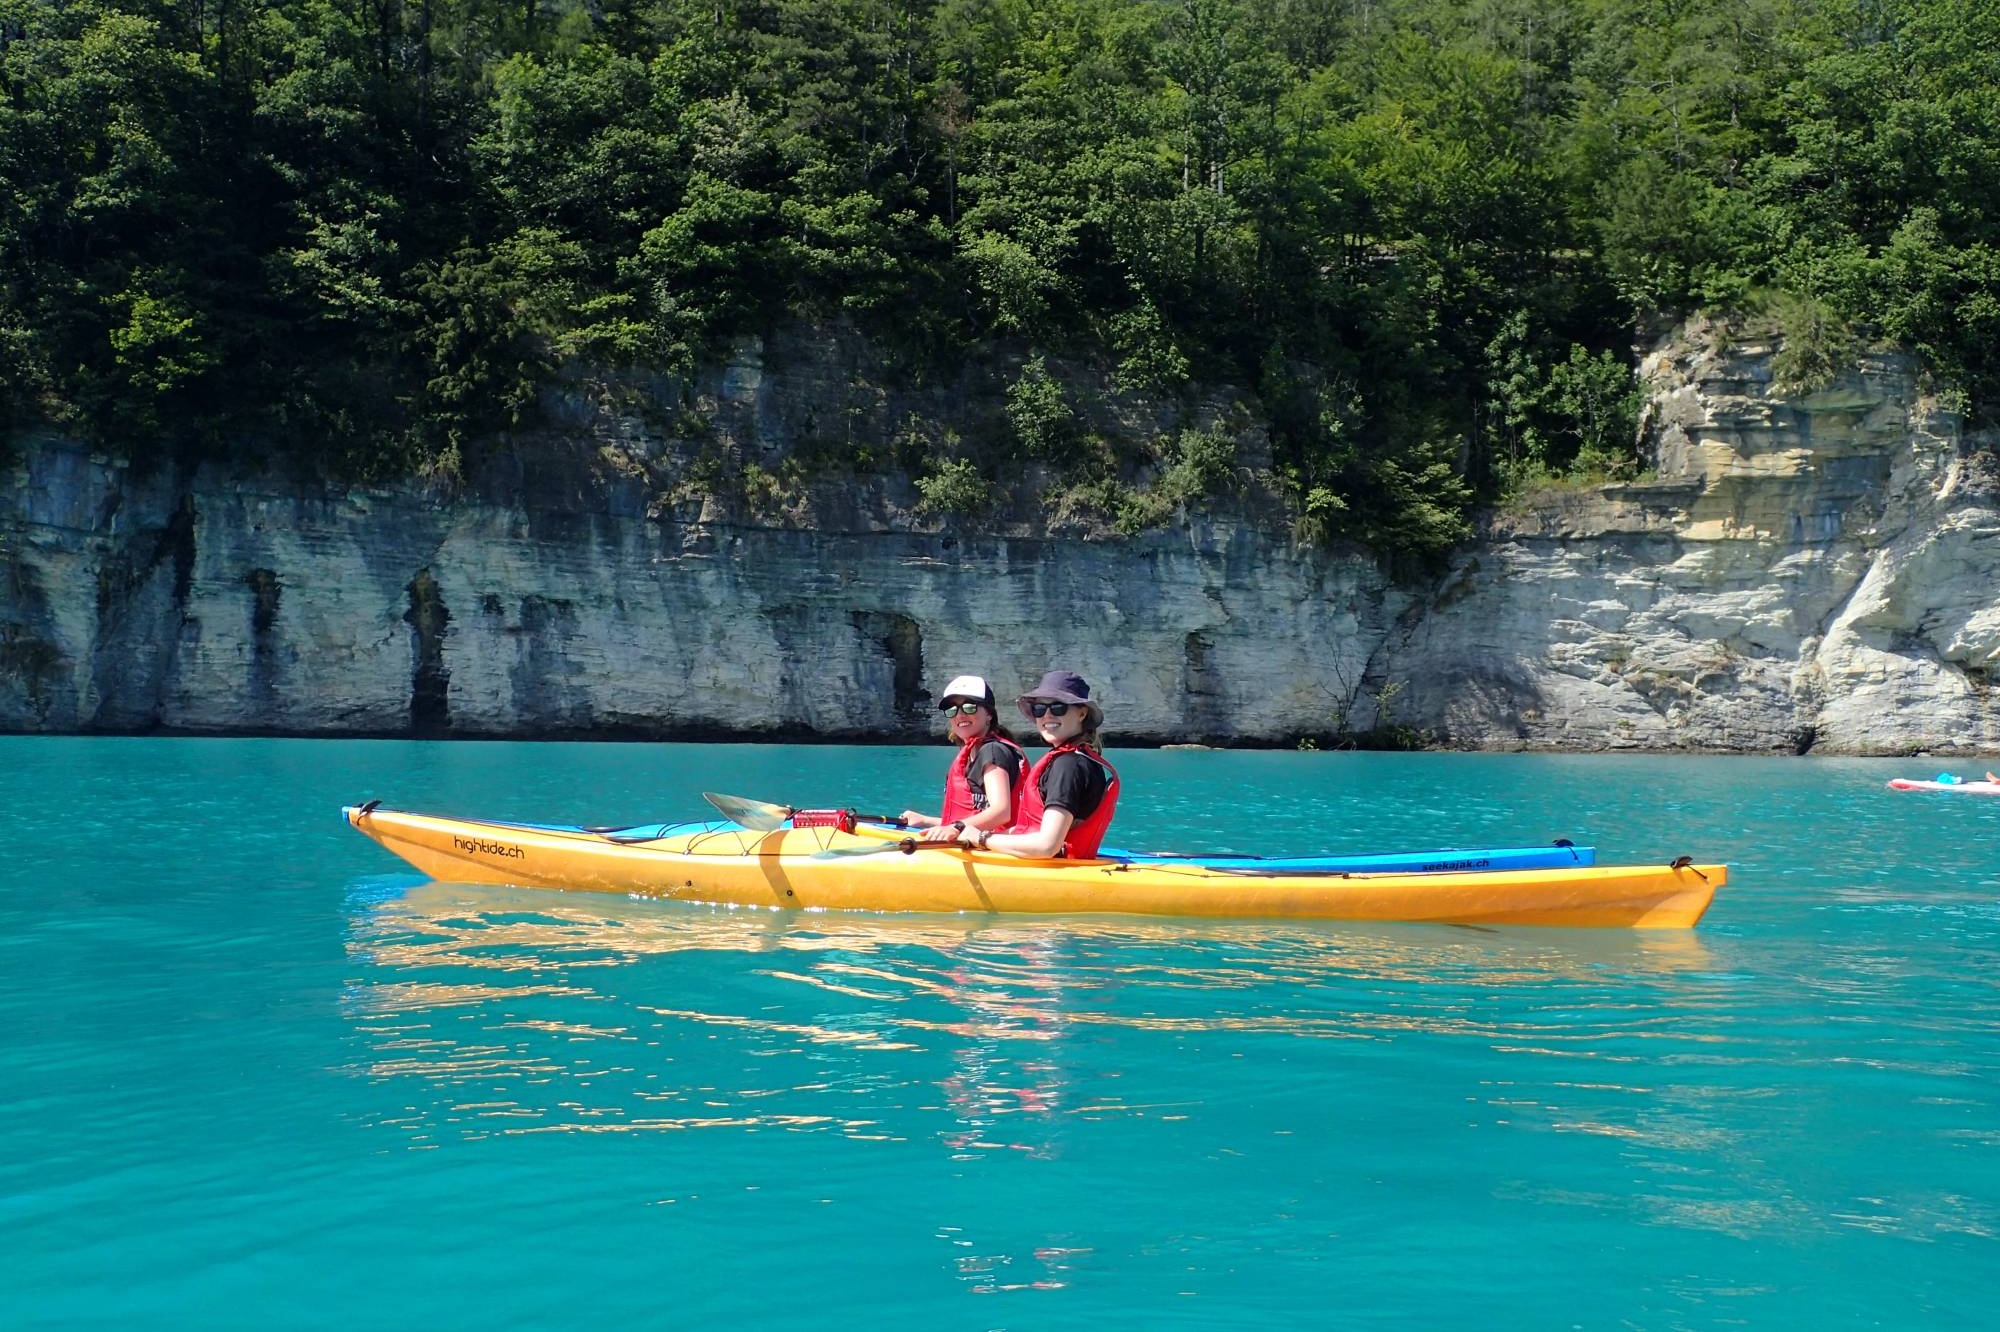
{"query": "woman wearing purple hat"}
pixel 979 788
pixel 1067 799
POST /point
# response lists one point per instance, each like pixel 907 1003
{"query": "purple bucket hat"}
pixel 1062 687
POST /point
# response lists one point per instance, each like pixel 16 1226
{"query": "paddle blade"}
pixel 756 815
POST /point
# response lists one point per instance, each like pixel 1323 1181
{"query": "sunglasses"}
pixel 963 709
pixel 1050 709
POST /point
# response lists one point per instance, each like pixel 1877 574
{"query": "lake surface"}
pixel 255 1074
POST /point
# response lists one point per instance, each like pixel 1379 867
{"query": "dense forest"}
pixel 1424 232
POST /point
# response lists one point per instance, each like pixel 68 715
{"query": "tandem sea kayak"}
pixel 870 869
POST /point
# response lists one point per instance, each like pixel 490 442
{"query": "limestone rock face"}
pixel 1802 570
pixel 1810 570
pixel 226 605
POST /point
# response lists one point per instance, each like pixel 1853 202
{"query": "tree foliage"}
pixel 1422 230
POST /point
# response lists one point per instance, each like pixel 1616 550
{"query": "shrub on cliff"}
pixel 955 488
pixel 1552 413
pixel 1039 412
pixel 1814 343
pixel 1200 464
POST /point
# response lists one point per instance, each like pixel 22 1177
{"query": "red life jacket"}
pixel 1085 835
pixel 958 792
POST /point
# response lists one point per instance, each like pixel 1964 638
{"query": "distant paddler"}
pixel 979 786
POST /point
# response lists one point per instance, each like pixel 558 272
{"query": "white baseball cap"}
pixel 971 687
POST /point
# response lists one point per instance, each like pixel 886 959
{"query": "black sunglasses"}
pixel 1049 709
pixel 966 708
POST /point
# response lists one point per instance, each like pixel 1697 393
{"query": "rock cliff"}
pixel 1802 571
pixel 1805 571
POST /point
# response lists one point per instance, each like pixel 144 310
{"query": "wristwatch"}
pixel 960 825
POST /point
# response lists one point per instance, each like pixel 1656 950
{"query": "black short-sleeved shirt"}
pixel 991 754
pixel 1076 783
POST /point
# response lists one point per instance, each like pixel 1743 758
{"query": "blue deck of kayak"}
pixel 1394 862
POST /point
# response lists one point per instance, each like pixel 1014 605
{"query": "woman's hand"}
pixel 913 819
pixel 1041 844
pixel 944 832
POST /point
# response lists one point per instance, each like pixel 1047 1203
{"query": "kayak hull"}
pixel 786 870
pixel 1956 788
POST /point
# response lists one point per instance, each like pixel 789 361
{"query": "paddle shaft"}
pixel 907 846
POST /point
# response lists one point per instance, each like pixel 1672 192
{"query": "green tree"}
pixel 1423 231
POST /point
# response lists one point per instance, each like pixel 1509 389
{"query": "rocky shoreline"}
pixel 1805 573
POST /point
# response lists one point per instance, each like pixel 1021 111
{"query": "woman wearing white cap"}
pixel 979 788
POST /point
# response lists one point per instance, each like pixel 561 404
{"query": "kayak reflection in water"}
pixel 979 787
pixel 1067 801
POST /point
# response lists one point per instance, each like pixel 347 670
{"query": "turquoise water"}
pixel 254 1074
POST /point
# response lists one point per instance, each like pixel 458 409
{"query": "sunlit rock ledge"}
pixel 1819 571
pixel 1807 572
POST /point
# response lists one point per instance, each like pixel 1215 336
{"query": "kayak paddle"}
pixel 762 816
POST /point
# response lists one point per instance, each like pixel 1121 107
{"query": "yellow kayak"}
pixel 870 870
